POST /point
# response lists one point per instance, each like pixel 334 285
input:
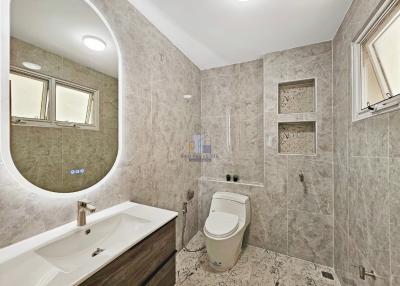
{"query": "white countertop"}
pixel 21 265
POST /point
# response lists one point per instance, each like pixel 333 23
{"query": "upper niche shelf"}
pixel 297 96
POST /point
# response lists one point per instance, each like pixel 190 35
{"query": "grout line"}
pixel 347 265
pixel 332 166
pixel 389 202
pixel 287 206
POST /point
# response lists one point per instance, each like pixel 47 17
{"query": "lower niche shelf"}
pixel 297 138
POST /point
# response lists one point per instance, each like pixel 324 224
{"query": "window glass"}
pixel 91 111
pixel 72 105
pixel 387 48
pixel 29 96
pixel 371 87
pixel 381 60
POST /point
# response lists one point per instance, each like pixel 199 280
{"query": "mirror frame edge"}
pixel 5 146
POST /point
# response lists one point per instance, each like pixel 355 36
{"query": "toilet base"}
pixel 224 253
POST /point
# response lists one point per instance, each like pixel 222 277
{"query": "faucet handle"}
pixel 83 203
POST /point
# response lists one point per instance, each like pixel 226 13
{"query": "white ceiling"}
pixel 59 25
pixel 215 33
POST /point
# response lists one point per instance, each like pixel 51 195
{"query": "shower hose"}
pixel 184 211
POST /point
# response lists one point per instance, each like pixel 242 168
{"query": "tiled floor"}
pixel 256 266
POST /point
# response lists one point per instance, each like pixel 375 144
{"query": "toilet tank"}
pixel 231 203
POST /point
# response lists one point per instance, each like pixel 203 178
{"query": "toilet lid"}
pixel 220 224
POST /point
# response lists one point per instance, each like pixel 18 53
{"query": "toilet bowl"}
pixel 224 229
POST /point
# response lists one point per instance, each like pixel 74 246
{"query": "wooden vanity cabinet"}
pixel 150 262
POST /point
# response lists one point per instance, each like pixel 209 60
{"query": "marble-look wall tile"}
pixel 310 237
pixel 365 175
pixel 309 205
pixel 369 214
pixel 363 142
pixel 153 169
pixel 394 134
pixel 314 193
pixel 232 121
pixel 394 204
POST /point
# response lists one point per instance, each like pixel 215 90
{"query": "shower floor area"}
pixel 256 266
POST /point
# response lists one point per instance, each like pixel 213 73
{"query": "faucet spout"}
pixel 83 206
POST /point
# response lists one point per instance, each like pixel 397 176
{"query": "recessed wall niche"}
pixel 297 138
pixel 297 96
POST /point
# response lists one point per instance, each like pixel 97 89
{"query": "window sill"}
pixel 46 124
pixel 379 108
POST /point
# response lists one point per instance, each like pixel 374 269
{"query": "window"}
pixel 73 105
pixel 29 96
pixel 376 64
pixel 44 101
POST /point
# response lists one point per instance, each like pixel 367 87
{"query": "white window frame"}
pixel 386 105
pixel 45 98
pixel 51 121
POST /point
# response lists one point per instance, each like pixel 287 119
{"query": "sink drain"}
pixel 97 252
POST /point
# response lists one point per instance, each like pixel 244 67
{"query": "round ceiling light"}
pixel 31 66
pixel 93 43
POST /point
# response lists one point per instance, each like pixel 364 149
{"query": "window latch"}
pixel 18 121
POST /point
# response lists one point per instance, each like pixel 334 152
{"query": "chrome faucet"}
pixel 83 206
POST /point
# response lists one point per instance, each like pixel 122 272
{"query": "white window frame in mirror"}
pixel 51 120
pixel 5 108
pixel 386 105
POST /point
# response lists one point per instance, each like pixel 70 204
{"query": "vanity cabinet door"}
pixel 165 276
pixel 141 264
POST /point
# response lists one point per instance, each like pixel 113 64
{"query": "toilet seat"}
pixel 221 224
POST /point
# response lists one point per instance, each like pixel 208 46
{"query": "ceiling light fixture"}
pixel 94 43
pixel 31 66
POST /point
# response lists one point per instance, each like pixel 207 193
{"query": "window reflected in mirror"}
pixel 74 105
pixel 29 96
pixel 63 94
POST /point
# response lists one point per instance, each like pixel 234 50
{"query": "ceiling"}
pixel 59 25
pixel 215 33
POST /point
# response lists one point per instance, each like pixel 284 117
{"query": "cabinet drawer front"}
pixel 139 263
pixel 165 276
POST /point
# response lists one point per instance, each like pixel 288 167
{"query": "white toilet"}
pixel 224 229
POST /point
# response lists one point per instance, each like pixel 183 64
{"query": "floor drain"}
pixel 327 275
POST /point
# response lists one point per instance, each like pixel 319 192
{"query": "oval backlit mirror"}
pixel 63 94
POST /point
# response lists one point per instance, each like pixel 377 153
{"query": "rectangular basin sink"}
pixel 69 254
pixel 103 238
